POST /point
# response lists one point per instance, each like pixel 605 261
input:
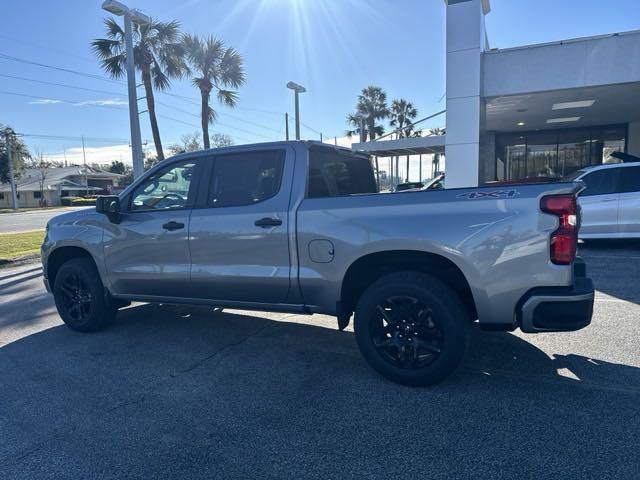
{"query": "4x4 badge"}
pixel 490 194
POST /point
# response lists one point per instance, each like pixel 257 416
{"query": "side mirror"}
pixel 108 204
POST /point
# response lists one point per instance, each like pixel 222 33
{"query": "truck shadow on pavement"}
pixel 189 390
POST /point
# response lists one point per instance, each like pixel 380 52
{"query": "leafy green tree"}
pixel 117 167
pixel 216 68
pixel 19 155
pixel 220 140
pixel 158 54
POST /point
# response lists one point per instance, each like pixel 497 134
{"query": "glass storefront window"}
pixel 542 156
pixel 556 153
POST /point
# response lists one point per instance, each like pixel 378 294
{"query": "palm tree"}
pixel 356 120
pixel 438 132
pixel 158 55
pixel 403 113
pixel 217 68
pixel 372 106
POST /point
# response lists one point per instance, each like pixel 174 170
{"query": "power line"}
pixel 65 85
pixel 61 69
pixel 4 56
pixel 75 87
pixel 72 138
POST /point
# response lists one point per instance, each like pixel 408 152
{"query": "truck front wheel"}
pixel 79 296
pixel 412 328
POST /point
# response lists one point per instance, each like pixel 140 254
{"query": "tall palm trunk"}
pixel 407 168
pixel 377 172
pixel 204 117
pixel 151 107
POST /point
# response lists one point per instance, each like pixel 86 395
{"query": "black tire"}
pixel 414 343
pixel 79 296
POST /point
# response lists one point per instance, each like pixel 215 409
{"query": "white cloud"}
pixel 45 101
pixel 95 155
pixel 108 101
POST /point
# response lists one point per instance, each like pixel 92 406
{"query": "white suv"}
pixel 611 202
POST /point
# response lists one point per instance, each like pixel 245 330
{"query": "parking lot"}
pixel 194 393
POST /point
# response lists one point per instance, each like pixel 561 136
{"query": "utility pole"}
pixel 84 159
pixel 321 137
pixel 286 125
pixel 12 180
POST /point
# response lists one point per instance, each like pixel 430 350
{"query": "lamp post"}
pixel 298 89
pixel 131 15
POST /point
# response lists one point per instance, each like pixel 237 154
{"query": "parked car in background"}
pixel 408 186
pixel 611 200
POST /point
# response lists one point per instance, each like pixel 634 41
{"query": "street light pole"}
pixel 130 16
pixel 298 89
pixel 297 115
pixel 14 190
pixel 134 119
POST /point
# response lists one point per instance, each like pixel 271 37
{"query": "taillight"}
pixel 564 239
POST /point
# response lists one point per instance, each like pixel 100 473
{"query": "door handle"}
pixel 173 225
pixel 268 222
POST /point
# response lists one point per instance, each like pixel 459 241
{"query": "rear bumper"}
pixel 559 310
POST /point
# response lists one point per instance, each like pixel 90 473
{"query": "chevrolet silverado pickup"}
pixel 301 227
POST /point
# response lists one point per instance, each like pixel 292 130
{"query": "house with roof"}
pixel 74 181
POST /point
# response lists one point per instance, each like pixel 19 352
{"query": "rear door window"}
pixel 334 174
pixel 245 178
pixel 629 179
pixel 601 182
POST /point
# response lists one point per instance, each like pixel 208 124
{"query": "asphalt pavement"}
pixel 188 392
pixel 24 221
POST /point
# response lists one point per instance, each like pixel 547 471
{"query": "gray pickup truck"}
pixel 300 227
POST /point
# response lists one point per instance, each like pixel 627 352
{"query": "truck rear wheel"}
pixel 412 328
pixel 79 296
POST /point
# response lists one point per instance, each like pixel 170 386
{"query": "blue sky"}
pixel 333 47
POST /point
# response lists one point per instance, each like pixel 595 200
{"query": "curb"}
pixel 17 262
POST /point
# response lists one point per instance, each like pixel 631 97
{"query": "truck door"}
pixel 147 251
pixel 599 202
pixel 629 203
pixel 239 238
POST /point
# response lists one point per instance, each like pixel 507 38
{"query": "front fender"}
pixel 85 236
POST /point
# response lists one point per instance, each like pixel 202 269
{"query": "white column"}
pixel 466 40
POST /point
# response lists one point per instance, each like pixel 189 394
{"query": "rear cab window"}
pixel 334 173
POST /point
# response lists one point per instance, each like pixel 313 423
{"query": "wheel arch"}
pixel 61 255
pixel 364 271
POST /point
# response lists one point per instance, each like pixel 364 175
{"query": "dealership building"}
pixel 529 111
